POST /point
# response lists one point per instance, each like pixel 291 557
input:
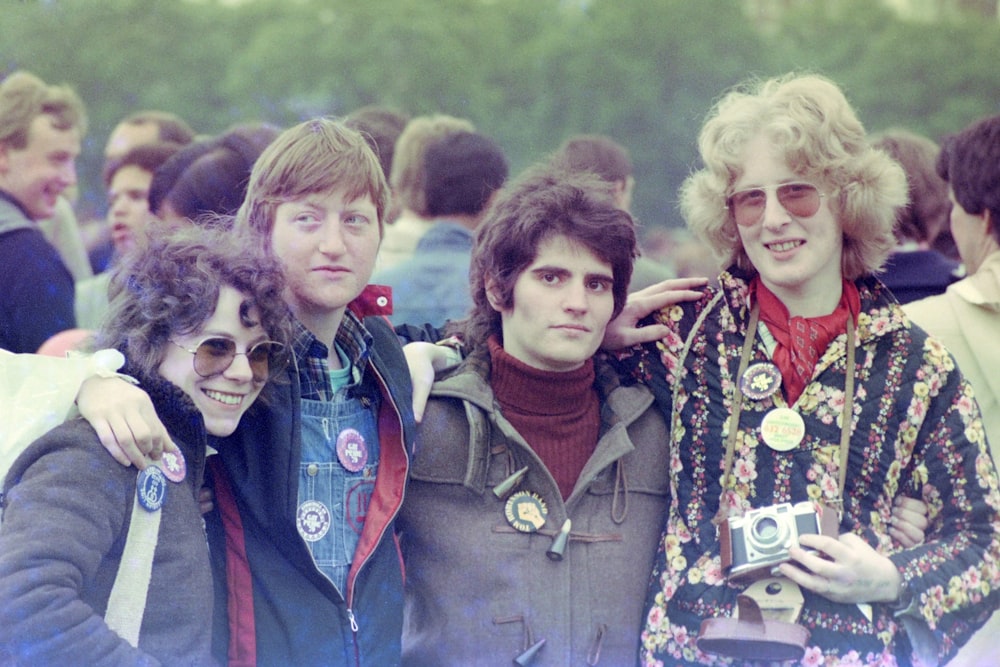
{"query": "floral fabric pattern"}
pixel 915 430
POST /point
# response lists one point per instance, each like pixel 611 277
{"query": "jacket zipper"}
pixel 354 635
pixel 349 598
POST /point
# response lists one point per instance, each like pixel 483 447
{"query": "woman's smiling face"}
pixel 223 398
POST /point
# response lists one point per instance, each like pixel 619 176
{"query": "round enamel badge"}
pixel 351 450
pixel 782 429
pixel 151 488
pixel 760 380
pixel 173 466
pixel 526 511
pixel 312 520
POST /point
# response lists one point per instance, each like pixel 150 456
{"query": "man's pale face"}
pixel 562 303
pixel 327 244
pixel 799 259
pixel 128 215
pixel 38 173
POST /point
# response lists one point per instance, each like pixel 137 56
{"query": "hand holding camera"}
pixel 754 544
pixel 844 569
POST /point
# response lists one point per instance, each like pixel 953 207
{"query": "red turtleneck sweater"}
pixel 558 414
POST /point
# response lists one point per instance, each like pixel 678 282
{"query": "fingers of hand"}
pixel 914 515
pixel 168 444
pixel 829 546
pixel 143 436
pixel 812 561
pixel 646 334
pixel 421 390
pixel 906 533
pixel 206 500
pixel 419 358
pixel 909 521
pixel 672 285
pixel 117 435
pixel 107 437
pixel 149 432
pixel 644 305
pixel 905 540
pixel 807 580
pixel 912 504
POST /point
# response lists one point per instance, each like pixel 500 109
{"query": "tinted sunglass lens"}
pixel 213 356
pixel 747 207
pixel 799 199
pixel 259 357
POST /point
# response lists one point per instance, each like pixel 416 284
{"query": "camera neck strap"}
pixel 846 417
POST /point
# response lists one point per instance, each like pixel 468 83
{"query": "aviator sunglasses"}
pixel 214 355
pixel 747 206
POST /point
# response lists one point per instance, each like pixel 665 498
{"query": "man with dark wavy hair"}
pixel 538 487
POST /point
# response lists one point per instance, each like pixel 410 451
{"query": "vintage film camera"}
pixel 752 545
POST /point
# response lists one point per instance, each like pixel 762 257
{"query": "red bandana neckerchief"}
pixel 802 340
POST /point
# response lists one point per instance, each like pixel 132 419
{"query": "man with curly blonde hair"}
pixel 804 407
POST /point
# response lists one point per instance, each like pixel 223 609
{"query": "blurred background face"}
pixel 38 173
pixel 126 137
pixel 128 207
pixel 656 117
pixel 222 399
pixel 971 233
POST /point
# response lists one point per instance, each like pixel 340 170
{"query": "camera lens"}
pixel 765 530
pixel 768 534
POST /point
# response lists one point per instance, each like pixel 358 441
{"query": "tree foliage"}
pixel 527 72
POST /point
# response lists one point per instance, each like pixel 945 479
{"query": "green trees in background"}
pixel 527 72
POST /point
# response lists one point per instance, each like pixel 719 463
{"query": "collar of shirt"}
pixel 311 356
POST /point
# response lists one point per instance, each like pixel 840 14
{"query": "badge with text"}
pixel 782 429
pixel 351 450
pixel 173 466
pixel 760 380
pixel 526 511
pixel 313 520
pixel 151 488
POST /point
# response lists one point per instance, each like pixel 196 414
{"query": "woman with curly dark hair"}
pixel 200 321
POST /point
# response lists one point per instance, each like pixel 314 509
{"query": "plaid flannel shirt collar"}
pixel 311 356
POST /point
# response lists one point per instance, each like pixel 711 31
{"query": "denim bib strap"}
pixel 335 490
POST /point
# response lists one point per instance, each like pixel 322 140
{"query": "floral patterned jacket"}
pixel 916 431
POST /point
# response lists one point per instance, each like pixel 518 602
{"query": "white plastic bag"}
pixel 37 393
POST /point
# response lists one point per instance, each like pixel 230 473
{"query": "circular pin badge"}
pixel 312 520
pixel 526 511
pixel 173 466
pixel 351 450
pixel 782 429
pixel 151 488
pixel 760 380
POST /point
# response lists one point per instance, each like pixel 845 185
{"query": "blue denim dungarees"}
pixel 333 500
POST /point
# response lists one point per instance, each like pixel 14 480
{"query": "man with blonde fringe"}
pixel 41 127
